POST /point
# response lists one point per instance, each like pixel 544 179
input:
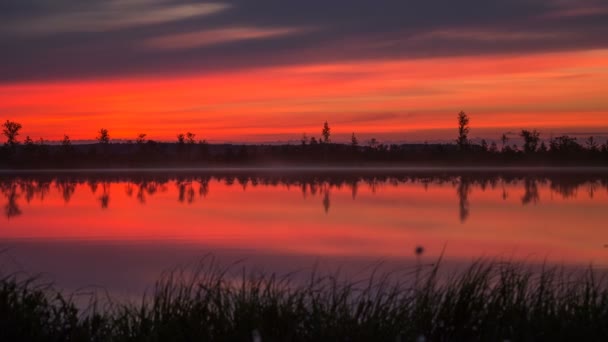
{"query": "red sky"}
pixel 278 92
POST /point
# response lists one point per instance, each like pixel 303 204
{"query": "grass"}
pixel 490 301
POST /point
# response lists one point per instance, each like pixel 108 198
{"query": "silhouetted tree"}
pixel 493 147
pixel 591 144
pixel 531 140
pixel 181 139
pixel 564 145
pixel 354 142
pixel 66 143
pixel 484 145
pixel 103 137
pixel 141 138
pixel 463 131
pixel 373 143
pixel 505 140
pixel 313 141
pixel 326 133
pixel 190 138
pixel 30 147
pixel 304 139
pixel 11 130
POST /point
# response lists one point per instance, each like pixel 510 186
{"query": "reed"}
pixel 489 300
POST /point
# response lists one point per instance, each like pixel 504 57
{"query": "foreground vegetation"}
pixel 488 301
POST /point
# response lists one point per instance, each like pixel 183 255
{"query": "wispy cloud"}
pixel 113 15
pixel 489 35
pixel 67 39
pixel 218 36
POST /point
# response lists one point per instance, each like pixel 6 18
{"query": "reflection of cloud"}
pixel 114 15
pixel 217 36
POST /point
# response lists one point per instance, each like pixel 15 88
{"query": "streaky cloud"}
pixel 113 15
pixel 197 39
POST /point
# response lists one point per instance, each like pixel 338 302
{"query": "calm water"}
pixel 119 230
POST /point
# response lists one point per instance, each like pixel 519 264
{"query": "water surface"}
pixel 119 230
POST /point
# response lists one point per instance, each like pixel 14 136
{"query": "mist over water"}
pixel 120 230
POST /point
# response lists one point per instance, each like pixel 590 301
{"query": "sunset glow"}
pixel 361 82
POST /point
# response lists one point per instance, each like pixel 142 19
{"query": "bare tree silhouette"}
pixel 141 138
pixel 190 138
pixel 103 137
pixel 66 144
pixel 304 139
pixel 326 133
pixel 592 144
pixel 531 140
pixel 463 131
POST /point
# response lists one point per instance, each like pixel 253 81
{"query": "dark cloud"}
pixel 67 39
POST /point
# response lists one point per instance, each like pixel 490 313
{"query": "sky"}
pixel 271 70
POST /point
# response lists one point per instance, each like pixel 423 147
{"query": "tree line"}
pixel 186 150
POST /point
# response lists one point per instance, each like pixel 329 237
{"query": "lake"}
pixel 119 229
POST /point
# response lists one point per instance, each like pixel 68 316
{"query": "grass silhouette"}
pixel 488 300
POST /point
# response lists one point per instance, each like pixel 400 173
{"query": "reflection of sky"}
pixel 173 222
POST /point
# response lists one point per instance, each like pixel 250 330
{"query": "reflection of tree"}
pixel 185 192
pixel 129 189
pixel 11 209
pixel 93 185
pixel 567 188
pixel 66 188
pixel 203 189
pixel 313 189
pixel 42 188
pixel 591 189
pixel 326 202
pixel 104 199
pixel 144 186
pixel 354 188
pixel 29 188
pixel 464 189
pixel 181 189
pixel 243 181
pixel 531 192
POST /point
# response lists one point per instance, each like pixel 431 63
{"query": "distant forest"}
pixel 186 151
